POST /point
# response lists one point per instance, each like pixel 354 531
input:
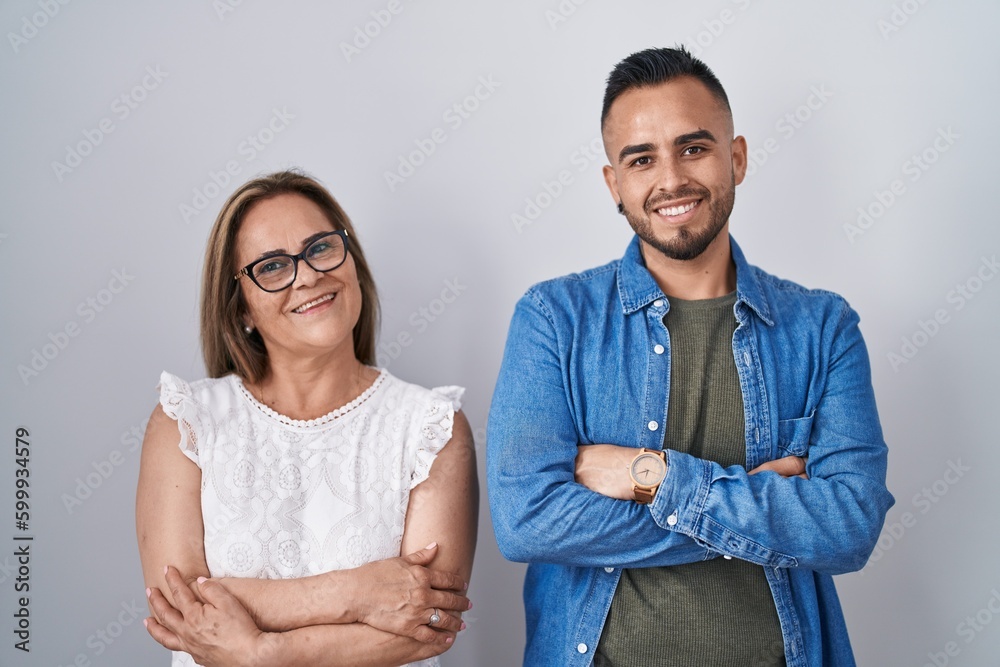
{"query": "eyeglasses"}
pixel 278 271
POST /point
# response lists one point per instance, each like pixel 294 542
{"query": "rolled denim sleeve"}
pixel 829 522
pixel 540 514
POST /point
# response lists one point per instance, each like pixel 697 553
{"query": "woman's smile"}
pixel 316 305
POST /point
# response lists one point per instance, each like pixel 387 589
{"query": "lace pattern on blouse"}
pixel 192 420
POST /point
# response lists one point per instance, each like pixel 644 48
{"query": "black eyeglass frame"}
pixel 248 269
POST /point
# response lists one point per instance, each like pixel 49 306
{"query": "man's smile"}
pixel 674 211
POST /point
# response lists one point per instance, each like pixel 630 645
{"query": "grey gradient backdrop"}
pixel 885 81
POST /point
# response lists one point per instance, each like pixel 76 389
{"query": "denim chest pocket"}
pixel 793 435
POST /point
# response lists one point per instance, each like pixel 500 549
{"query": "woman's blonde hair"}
pixel 225 345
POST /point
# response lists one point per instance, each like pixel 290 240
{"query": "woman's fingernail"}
pixel 465 586
pixel 145 622
pixel 470 604
pixel 202 580
pixel 431 545
pixel 165 569
pixel 463 626
pixel 448 640
pixel 148 592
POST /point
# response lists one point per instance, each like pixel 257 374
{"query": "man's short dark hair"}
pixel 655 66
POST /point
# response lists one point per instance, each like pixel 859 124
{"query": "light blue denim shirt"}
pixel 587 361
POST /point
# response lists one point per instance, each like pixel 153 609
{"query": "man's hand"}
pixel 604 469
pixel 216 632
pixel 398 595
pixel 789 466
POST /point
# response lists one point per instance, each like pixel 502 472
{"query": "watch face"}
pixel 647 470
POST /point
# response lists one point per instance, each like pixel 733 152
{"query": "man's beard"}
pixel 686 243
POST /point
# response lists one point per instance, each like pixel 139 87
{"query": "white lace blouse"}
pixel 284 498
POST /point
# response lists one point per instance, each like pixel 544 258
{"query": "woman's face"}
pixel 286 223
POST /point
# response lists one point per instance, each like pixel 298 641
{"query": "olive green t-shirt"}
pixel 714 613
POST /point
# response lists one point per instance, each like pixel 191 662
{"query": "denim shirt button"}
pixel 658 303
pixel 727 557
pixel 653 426
pixel 672 519
pixel 609 570
pixel 581 648
pixel 658 349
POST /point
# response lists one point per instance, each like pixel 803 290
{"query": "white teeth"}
pixel 314 302
pixel 676 210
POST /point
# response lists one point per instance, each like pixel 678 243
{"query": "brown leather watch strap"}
pixel 643 496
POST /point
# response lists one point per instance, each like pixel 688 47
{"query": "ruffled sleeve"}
pixel 193 420
pixel 436 424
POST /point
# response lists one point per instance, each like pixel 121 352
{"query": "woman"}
pixel 276 497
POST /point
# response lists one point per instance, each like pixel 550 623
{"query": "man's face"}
pixel 674 164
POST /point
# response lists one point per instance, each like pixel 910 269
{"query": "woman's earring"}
pixel 248 329
pixel 621 208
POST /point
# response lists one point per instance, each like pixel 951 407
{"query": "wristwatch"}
pixel 647 471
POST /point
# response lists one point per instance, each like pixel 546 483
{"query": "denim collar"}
pixel 637 288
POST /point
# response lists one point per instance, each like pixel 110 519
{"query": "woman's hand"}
pixel 604 469
pixel 399 595
pixel 208 622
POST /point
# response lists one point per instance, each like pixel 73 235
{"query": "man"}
pixel 683 447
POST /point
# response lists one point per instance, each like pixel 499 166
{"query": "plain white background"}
pixel 851 96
